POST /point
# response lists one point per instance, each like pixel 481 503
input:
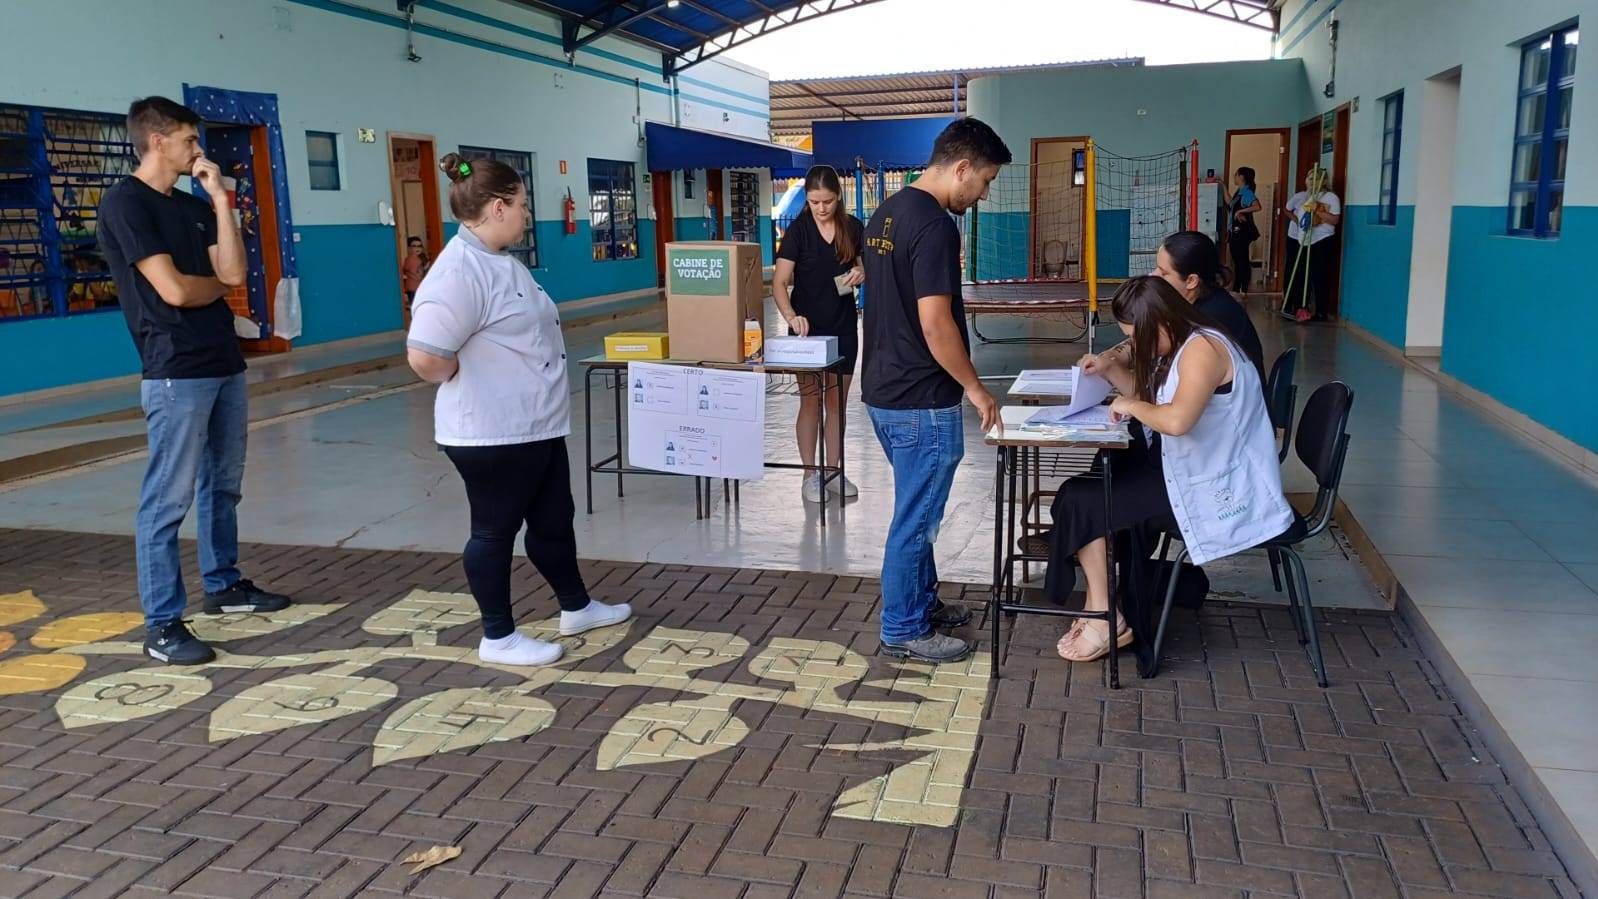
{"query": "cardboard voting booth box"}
pixel 712 287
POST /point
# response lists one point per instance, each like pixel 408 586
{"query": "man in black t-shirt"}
pixel 917 366
pixel 173 257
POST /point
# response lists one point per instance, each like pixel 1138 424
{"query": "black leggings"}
pixel 1322 258
pixel 1242 269
pixel 508 486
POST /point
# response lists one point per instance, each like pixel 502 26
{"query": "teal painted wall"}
pixel 48 352
pixel 1375 292
pixel 561 113
pixel 349 282
pixel 1179 104
pixel 1520 319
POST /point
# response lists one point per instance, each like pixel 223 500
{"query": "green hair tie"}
pixel 465 169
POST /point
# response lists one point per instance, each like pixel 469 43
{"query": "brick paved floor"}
pixel 1230 775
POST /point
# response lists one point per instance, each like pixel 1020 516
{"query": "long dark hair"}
pixel 1193 253
pixel 476 182
pixel 1248 176
pixel 825 177
pixel 1152 306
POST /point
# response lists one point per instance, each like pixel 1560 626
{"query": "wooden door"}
pixel 1057 206
pixel 665 219
pixel 715 204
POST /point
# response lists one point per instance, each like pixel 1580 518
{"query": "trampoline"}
pixel 1062 301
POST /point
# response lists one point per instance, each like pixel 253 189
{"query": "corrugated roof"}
pixel 685 31
pixel 795 103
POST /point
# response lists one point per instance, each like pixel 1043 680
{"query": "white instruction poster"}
pixel 696 421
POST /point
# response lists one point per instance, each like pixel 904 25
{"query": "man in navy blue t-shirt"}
pixel 173 256
pixel 917 367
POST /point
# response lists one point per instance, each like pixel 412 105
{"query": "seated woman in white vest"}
pixel 1205 467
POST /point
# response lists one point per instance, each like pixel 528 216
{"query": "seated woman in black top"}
pixel 1190 262
pixel 818 269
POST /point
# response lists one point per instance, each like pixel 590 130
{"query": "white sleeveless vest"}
pixel 1222 476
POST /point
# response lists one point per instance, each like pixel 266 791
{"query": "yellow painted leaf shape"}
pixel 296 700
pixel 808 663
pixel 38 672
pixel 423 612
pixel 667 651
pixel 7 640
pixel 139 693
pixel 16 608
pixel 459 719
pixel 243 625
pixel 77 630
pixel 660 732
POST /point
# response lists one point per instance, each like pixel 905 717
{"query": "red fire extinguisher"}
pixel 570 208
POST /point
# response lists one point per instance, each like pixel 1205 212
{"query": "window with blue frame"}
pixel 55 165
pixel 321 155
pixel 612 210
pixel 527 250
pixel 1542 133
pixel 1392 132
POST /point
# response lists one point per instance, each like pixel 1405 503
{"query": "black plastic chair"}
pixel 1281 397
pixel 1322 447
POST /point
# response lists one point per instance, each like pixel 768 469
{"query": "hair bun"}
pixel 455 167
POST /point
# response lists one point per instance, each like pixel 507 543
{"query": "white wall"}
pixel 1437 137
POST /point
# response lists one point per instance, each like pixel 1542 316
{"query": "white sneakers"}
pixel 839 485
pixel 522 650
pixel 594 615
pixel 811 490
pixel 518 649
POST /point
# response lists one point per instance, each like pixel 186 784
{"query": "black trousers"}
pixel 1242 269
pixel 508 487
pixel 1321 257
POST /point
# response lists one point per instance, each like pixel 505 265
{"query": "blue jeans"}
pixel 924 446
pixel 197 429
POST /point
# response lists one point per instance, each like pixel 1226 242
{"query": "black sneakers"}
pixel 949 614
pixel 929 647
pixel 244 596
pixel 173 644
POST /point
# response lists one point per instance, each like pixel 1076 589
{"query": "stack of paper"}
pixel 1044 382
pixel 1096 417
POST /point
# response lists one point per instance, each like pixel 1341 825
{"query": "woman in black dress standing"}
pixel 818 269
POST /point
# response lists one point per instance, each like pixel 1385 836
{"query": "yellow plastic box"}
pixel 638 345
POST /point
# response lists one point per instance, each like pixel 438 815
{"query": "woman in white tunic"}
pixel 489 336
pixel 1211 472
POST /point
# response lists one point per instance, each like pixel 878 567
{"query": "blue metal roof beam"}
pixel 774 20
pixel 1261 14
pixel 617 16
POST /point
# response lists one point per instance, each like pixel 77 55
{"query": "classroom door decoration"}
pixel 277 312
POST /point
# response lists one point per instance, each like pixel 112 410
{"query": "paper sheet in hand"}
pixel 1061 416
pixel 1087 391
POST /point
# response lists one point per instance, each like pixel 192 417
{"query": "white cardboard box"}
pixel 801 350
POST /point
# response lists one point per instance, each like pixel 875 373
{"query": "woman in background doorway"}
pixel 1241 230
pixel 413 269
pixel 818 269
